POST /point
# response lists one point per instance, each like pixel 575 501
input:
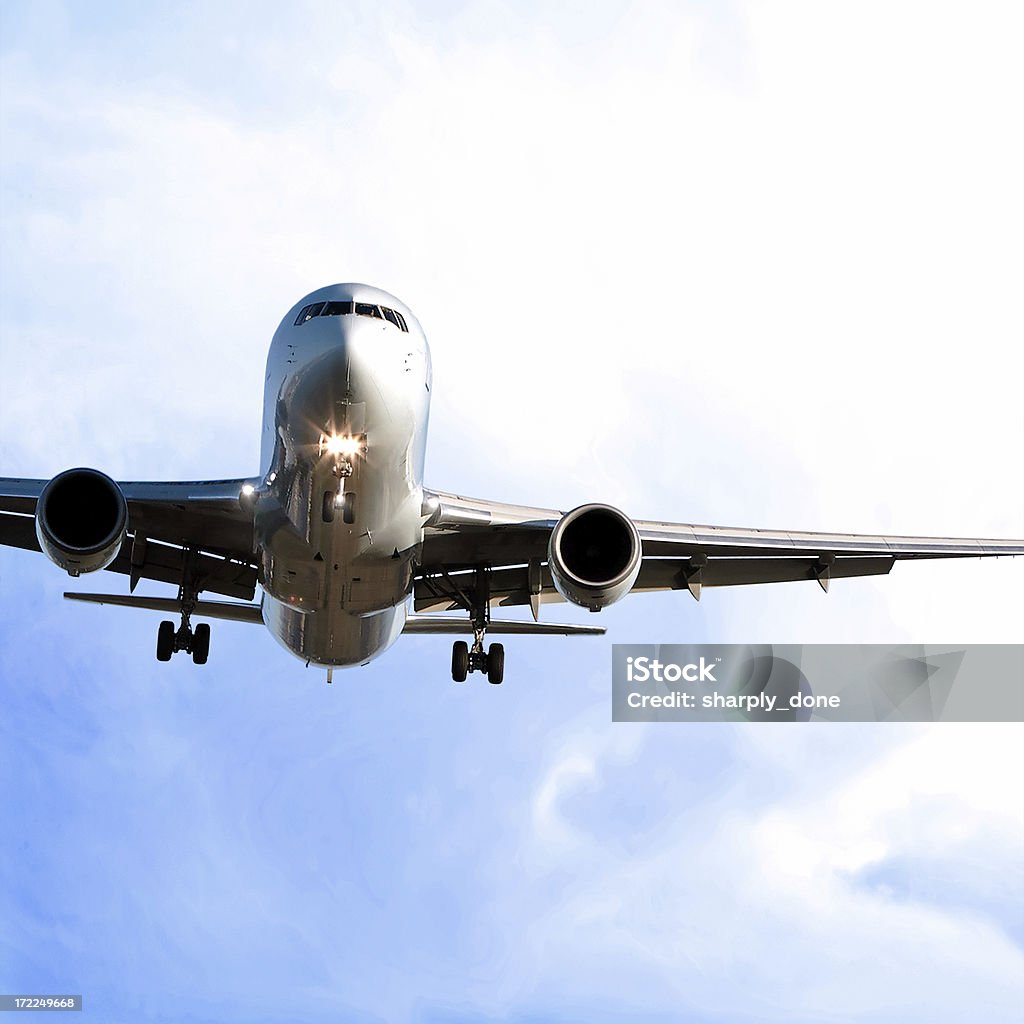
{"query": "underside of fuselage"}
pixel 338 516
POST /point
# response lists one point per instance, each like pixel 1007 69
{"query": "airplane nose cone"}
pixel 352 341
pixel 351 360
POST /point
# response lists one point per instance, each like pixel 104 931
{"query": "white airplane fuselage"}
pixel 339 511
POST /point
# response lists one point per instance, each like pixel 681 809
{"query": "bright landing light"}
pixel 343 446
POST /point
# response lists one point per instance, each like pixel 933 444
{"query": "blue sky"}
pixel 714 263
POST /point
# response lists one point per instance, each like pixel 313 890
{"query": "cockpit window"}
pixel 341 308
pixel 308 312
pixel 336 308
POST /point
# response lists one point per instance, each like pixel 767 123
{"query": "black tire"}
pixel 495 663
pixel 350 508
pixel 460 661
pixel 201 643
pixel 328 506
pixel 165 641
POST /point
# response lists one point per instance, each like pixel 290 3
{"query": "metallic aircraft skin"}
pixel 336 590
pixel 340 532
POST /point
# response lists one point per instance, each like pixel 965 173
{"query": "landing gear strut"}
pixel 197 642
pixel 466 659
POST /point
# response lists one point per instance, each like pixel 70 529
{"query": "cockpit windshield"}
pixel 344 308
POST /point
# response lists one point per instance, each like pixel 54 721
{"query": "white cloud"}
pixel 752 265
pixel 760 879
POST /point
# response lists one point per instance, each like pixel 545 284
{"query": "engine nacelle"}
pixel 81 519
pixel 594 554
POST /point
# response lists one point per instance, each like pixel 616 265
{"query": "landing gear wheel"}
pixel 460 661
pixel 495 663
pixel 349 510
pixel 201 643
pixel 165 641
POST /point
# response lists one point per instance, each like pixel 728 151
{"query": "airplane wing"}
pixel 165 520
pixel 463 535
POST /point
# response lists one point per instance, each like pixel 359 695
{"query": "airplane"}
pixel 338 530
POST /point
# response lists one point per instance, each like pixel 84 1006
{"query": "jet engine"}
pixel 81 519
pixel 594 554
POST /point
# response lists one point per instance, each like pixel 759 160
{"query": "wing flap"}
pixel 672 574
pixel 165 563
pixel 510 587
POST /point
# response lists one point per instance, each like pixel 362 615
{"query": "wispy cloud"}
pixel 723 264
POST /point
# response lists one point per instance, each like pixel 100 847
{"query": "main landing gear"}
pixel 466 659
pixel 196 641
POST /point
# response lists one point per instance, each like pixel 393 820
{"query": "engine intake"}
pixel 81 519
pixel 594 554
